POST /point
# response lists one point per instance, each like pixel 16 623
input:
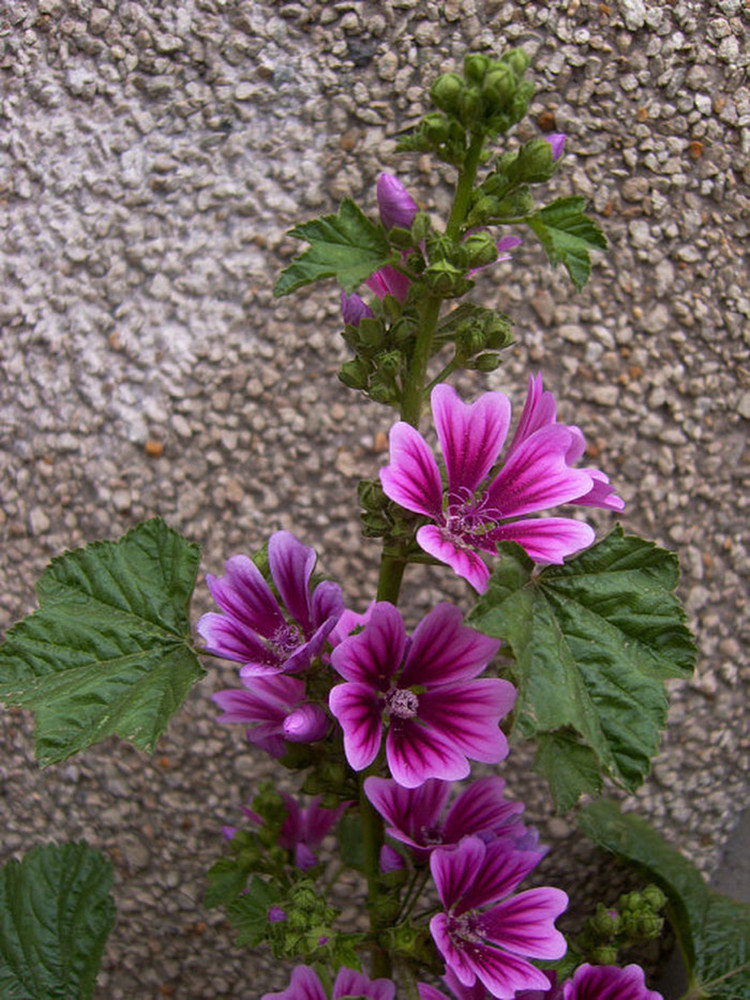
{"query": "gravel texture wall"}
pixel 152 157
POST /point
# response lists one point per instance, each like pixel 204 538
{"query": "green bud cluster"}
pixel 308 921
pixel 488 99
pixel 635 920
pixel 504 194
pixel 380 517
pixel 478 334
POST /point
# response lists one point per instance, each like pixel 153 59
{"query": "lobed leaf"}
pixel 593 640
pixel 56 912
pixel 348 247
pixel 108 651
pixel 567 235
pixel 249 912
pixel 712 930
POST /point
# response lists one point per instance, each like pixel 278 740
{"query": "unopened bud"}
pixel 445 279
pixel 390 362
pixel 355 373
pixel 650 926
pixel 475 66
pixel 486 363
pixel 518 61
pixel 371 332
pixel 654 897
pixel 480 250
pixel 520 103
pixel 305 724
pixel 446 92
pixel 420 227
pixel 439 247
pixel 603 923
pixel 604 955
pixel 435 127
pixel 499 87
pixel 354 309
pixel 536 162
pixel 470 105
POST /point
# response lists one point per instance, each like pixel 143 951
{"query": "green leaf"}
pixel 226 879
pixel 56 912
pixel 108 650
pixel 593 640
pixel 351 846
pixel 569 767
pixel 567 235
pixel 712 930
pixel 249 912
pixel 347 247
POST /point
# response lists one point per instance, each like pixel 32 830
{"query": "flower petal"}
pixel 481 808
pixel 408 811
pixel 412 478
pixel 396 205
pixel 456 869
pixel 524 924
pixel 416 753
pixel 244 594
pixel 601 493
pixel 304 985
pixel 356 984
pixel 444 649
pixel 455 959
pixel 539 410
pixel 291 565
pixel 305 724
pixel 462 561
pixel 327 602
pixel 389 281
pixel 504 868
pixel 468 716
pixel 537 476
pixel 358 710
pixel 608 982
pixel 546 539
pixel 471 436
pixel 354 309
pixel 373 655
pixel 227 637
pixel 504 974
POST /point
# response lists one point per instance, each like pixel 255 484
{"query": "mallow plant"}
pixel 379 722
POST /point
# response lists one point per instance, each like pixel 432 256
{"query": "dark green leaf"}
pixel 249 912
pixel 713 931
pixel 567 235
pixel 109 650
pixel 351 847
pixel 56 912
pixel 226 879
pixel 347 247
pixel 593 640
pixel 569 767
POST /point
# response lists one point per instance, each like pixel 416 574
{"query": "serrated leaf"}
pixel 226 879
pixel 713 931
pixel 593 640
pixel 567 235
pixel 570 769
pixel 108 651
pixel 56 913
pixel 347 247
pixel 249 912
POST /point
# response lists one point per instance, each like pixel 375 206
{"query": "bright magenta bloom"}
pixel 493 945
pixel 305 828
pixel 438 713
pixel 254 628
pixel 306 985
pixel 484 504
pixel 415 815
pixel 608 982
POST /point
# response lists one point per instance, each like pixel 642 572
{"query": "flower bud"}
pixel 603 923
pixel 446 280
pixel 481 250
pixel 396 205
pixel 520 103
pixel 650 926
pixel 604 955
pixel 439 247
pixel 446 92
pixel 499 87
pixel 470 105
pixel 276 915
pixel 371 333
pixel 390 362
pixel 557 142
pixel 305 724
pixel 475 66
pixel 354 309
pixel 486 363
pixel 435 127
pixel 518 61
pixel 536 161
pixel 420 227
pixel 654 897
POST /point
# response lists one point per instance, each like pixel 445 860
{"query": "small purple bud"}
pixel 390 859
pixel 389 281
pixel 397 207
pixel 305 724
pixel 322 940
pixel 354 309
pixel 276 915
pixel 230 832
pixel 557 142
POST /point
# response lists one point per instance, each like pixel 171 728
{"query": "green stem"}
pixel 372 841
pixel 465 186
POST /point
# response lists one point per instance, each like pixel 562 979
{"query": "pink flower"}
pixel 306 985
pixel 493 945
pixel 438 713
pixel 305 828
pixel 415 815
pixel 557 142
pixel 487 505
pixel 608 982
pixel 253 628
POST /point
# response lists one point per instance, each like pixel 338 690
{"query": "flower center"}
pixel 401 703
pixel 469 516
pixel 285 640
pixel 467 927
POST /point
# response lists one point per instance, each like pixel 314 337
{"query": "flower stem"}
pixel 372 841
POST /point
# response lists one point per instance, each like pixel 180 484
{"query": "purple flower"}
pixel 479 992
pixel 276 915
pixel 305 828
pixel 557 142
pixel 493 945
pixel 277 709
pixel 390 859
pixel 305 985
pixel 354 309
pixel 536 473
pixel 608 982
pixel 395 204
pixel 438 713
pixel 254 629
pixel 414 815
